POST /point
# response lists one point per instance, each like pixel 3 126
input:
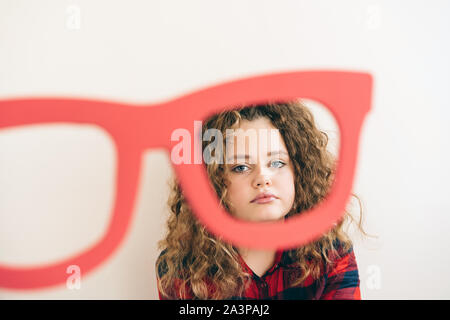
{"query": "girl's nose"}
pixel 262 181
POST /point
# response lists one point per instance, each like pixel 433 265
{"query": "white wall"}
pixel 147 51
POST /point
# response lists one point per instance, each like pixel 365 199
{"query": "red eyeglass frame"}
pixel 136 128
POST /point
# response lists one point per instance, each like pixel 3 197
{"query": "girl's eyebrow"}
pixel 270 153
pixel 277 152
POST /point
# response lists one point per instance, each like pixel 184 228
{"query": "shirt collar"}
pixel 277 262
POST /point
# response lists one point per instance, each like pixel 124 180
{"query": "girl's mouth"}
pixel 264 200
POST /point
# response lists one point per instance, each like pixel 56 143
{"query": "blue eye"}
pixel 281 164
pixel 240 166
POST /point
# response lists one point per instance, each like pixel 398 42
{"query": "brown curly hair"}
pixel 193 258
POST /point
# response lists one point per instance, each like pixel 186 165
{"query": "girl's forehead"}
pixel 261 122
pixel 261 128
pixel 254 138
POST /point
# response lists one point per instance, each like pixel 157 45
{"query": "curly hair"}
pixel 194 258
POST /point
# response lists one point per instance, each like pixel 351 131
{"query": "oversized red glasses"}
pixel 136 128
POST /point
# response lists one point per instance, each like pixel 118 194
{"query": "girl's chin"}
pixel 268 217
pixel 261 216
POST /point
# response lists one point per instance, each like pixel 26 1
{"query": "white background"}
pixel 148 51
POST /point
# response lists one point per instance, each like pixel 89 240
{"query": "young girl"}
pixel 263 186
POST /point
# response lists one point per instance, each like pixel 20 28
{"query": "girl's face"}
pixel 264 171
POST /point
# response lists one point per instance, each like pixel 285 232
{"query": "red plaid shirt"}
pixel 339 281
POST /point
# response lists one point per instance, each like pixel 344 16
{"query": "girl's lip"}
pixel 264 200
pixel 264 195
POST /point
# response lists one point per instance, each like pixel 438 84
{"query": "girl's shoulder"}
pixel 341 249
